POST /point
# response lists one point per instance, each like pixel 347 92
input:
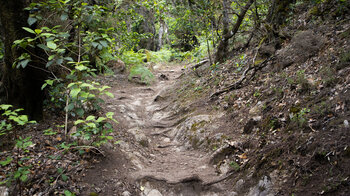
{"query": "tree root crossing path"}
pixel 153 157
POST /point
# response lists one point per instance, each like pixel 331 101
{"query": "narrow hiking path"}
pixel 156 160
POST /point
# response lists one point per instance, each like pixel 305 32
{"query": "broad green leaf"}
pixel 68 59
pixel 74 92
pixel 64 16
pixel 104 43
pixel 51 57
pixel 51 45
pixel 42 46
pixel 48 64
pixel 100 119
pixel 78 122
pixel 38 31
pixel 43 86
pixel 24 178
pixel 17 174
pixel 94 44
pixel 109 94
pixel 70 85
pixel 81 67
pixel 80 111
pixel 90 118
pixel 24 63
pixel 31 21
pixel 86 85
pixel 5 107
pixel 68 193
pixel 104 88
pixel 91 124
pixel 109 115
pixel 59 61
pixel 47 34
pixel 49 82
pixel 29 30
pixel 70 107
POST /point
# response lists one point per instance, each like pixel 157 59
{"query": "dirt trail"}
pixel 159 163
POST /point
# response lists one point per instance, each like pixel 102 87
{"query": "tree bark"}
pixel 277 15
pixel 222 50
pixel 278 12
pixel 22 87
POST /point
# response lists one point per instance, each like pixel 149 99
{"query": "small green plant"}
pixel 11 119
pixel 300 117
pixel 95 129
pixel 20 169
pixel 257 93
pixel 141 71
pixel 49 132
pixel 68 193
pixel 234 165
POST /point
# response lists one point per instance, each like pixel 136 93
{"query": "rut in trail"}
pixel 160 161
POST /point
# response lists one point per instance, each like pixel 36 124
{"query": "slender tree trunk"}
pixel 160 35
pixel 22 87
pixel 222 50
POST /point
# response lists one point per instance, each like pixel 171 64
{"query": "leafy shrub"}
pixel 95 129
pixel 19 171
pixel 12 118
pixel 300 117
pixel 144 73
pixel 133 58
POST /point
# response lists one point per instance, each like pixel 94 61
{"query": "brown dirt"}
pixel 149 155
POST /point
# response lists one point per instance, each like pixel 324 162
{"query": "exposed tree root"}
pixel 238 84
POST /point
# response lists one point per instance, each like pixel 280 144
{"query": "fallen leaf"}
pixel 243 156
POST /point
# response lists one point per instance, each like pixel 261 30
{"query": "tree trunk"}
pixel 22 87
pixel 278 12
pixel 277 15
pixel 222 50
pixel 160 35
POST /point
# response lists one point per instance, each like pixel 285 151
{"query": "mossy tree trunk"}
pixel 21 87
pixel 222 49
pixel 278 13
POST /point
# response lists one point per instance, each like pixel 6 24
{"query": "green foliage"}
pixel 141 71
pixel 299 117
pixel 19 169
pixel 95 129
pixel 68 193
pixel 12 118
pixel 234 165
pixel 162 55
pixel 85 96
pixel 133 58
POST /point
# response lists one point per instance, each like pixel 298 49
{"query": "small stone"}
pixel 126 193
pixel 98 190
pixel 154 192
pixel 167 140
pixel 119 184
pixel 239 185
pixel 346 123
